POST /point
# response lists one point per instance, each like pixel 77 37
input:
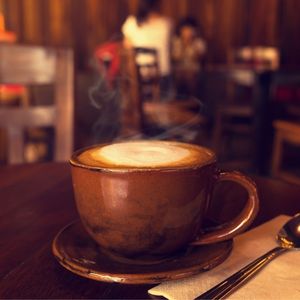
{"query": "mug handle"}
pixel 239 223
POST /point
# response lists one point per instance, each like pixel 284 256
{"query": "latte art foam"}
pixel 143 154
pixel 146 154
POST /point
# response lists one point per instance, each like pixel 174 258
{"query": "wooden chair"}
pixel 30 66
pixel 285 90
pixel 257 56
pixel 285 133
pixel 10 94
pixel 235 117
pixel 148 75
pixel 145 108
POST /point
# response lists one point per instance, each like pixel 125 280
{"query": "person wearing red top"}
pixel 108 59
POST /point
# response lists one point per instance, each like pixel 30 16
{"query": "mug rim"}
pixel 74 161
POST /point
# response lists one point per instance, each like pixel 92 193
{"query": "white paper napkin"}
pixel 280 279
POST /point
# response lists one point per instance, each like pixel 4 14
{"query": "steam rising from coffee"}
pixel 109 102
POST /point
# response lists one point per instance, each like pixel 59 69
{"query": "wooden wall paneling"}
pixel 2 8
pixel 240 26
pixel 45 21
pixel 80 31
pixel 2 12
pixel 104 20
pixel 167 7
pixel 70 34
pixel 175 9
pixel 14 17
pixel 32 21
pixel 204 12
pixel 182 9
pixel 263 22
pixel 132 6
pixel 224 26
pixel 59 22
pixel 290 32
pixel 272 26
pixel 95 23
pixel 236 27
pixel 56 16
pixel 117 14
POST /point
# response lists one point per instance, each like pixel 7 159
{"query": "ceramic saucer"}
pixel 77 252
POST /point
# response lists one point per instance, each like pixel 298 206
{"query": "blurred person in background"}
pixel 148 28
pixel 108 59
pixel 188 51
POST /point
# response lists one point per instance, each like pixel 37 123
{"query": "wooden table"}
pixel 37 200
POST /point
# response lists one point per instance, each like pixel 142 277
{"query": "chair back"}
pixel 285 101
pixel 140 77
pixel 36 66
pixel 285 94
pixel 148 75
pixel 256 56
pixel 145 113
pixel 285 87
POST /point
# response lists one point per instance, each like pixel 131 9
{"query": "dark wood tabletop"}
pixel 36 201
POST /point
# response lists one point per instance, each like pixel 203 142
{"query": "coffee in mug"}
pixel 146 154
pixel 148 199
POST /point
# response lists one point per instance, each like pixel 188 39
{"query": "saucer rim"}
pixel 131 278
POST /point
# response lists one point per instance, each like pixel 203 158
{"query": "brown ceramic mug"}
pixel 150 198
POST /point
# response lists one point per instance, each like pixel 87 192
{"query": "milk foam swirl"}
pixel 146 154
pixel 141 154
